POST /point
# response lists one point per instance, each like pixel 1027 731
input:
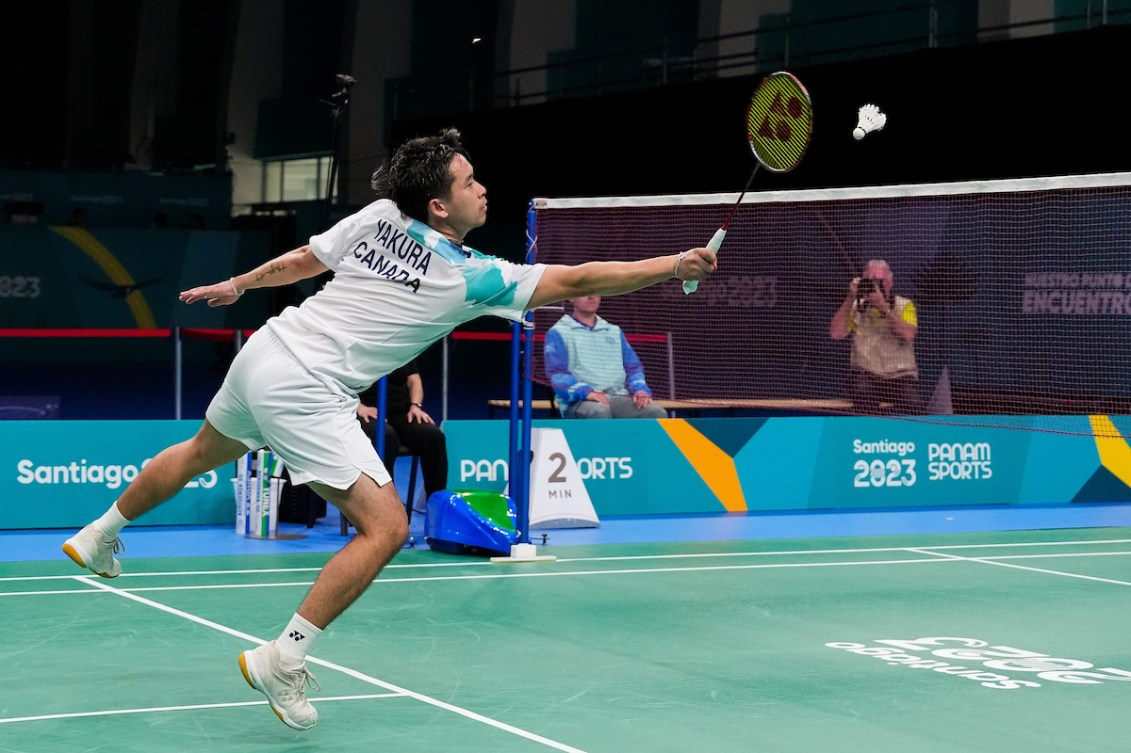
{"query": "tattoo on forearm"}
pixel 273 269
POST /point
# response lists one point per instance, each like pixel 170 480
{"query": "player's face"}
pixel 467 205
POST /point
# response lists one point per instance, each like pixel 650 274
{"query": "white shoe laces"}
pixel 299 678
pixel 306 676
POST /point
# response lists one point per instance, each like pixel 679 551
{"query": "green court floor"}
pixel 1005 641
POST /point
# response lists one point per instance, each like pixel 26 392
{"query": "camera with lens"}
pixel 865 288
pixel 868 285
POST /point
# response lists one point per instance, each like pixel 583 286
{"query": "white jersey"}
pixel 398 287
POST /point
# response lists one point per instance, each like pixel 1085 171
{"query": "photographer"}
pixel 883 327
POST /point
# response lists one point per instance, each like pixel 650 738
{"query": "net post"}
pixel 527 336
pixel 522 345
pixel 379 430
pixel 515 464
pixel 178 364
pixel 525 332
pixel 520 417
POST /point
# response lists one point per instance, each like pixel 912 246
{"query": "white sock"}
pixel 112 523
pixel 296 641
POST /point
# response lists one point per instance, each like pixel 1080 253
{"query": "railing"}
pixel 176 334
pixel 237 337
pixel 781 40
pixel 665 339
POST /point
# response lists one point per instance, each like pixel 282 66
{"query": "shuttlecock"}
pixel 869 118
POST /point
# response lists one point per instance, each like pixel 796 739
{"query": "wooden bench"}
pixel 697 406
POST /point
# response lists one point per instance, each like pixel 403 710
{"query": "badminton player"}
pixel 403 279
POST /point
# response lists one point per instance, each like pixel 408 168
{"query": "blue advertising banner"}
pixel 63 474
pixel 800 463
pixel 60 474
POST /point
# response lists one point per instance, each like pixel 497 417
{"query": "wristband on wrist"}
pixel 418 405
pixel 235 291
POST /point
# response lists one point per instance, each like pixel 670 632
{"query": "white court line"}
pixel 245 571
pixel 1067 542
pixel 1044 571
pixel 96 583
pixel 547 574
pixel 1050 555
pixel 505 576
pixel 192 707
pixel 933 555
pixel 627 557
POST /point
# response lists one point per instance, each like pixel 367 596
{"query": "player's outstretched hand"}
pixel 220 294
pixel 697 264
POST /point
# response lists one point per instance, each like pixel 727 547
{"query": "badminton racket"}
pixel 779 124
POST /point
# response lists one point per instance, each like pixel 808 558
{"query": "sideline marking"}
pixel 626 557
pixel 518 731
pixel 192 707
pixel 992 561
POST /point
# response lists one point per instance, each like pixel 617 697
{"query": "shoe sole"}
pixel 73 553
pixel 247 675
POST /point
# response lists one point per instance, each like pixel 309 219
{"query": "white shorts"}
pixel 268 399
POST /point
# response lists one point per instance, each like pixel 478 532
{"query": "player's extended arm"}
pixel 291 267
pixel 608 278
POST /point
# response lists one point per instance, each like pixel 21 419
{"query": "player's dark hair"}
pixel 418 171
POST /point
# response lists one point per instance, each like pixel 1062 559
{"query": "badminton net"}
pixel 1022 288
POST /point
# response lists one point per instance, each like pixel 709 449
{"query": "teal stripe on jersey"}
pixel 436 243
pixel 485 285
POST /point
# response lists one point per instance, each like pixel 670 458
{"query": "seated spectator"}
pixel 595 373
pixel 408 424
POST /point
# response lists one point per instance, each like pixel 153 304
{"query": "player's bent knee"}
pixel 393 529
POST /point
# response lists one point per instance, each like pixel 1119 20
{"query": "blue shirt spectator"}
pixel 594 371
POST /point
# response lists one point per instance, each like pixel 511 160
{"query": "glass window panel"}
pixel 300 180
pixel 324 174
pixel 272 181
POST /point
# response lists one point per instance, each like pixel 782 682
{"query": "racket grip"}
pixel 690 286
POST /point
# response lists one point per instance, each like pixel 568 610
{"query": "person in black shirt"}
pixel 408 424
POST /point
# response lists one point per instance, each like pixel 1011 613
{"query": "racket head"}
pixel 779 122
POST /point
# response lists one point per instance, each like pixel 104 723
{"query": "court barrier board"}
pixel 58 474
pixel 674 466
pixel 61 474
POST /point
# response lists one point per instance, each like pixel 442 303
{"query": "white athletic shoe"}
pixel 90 549
pixel 283 688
